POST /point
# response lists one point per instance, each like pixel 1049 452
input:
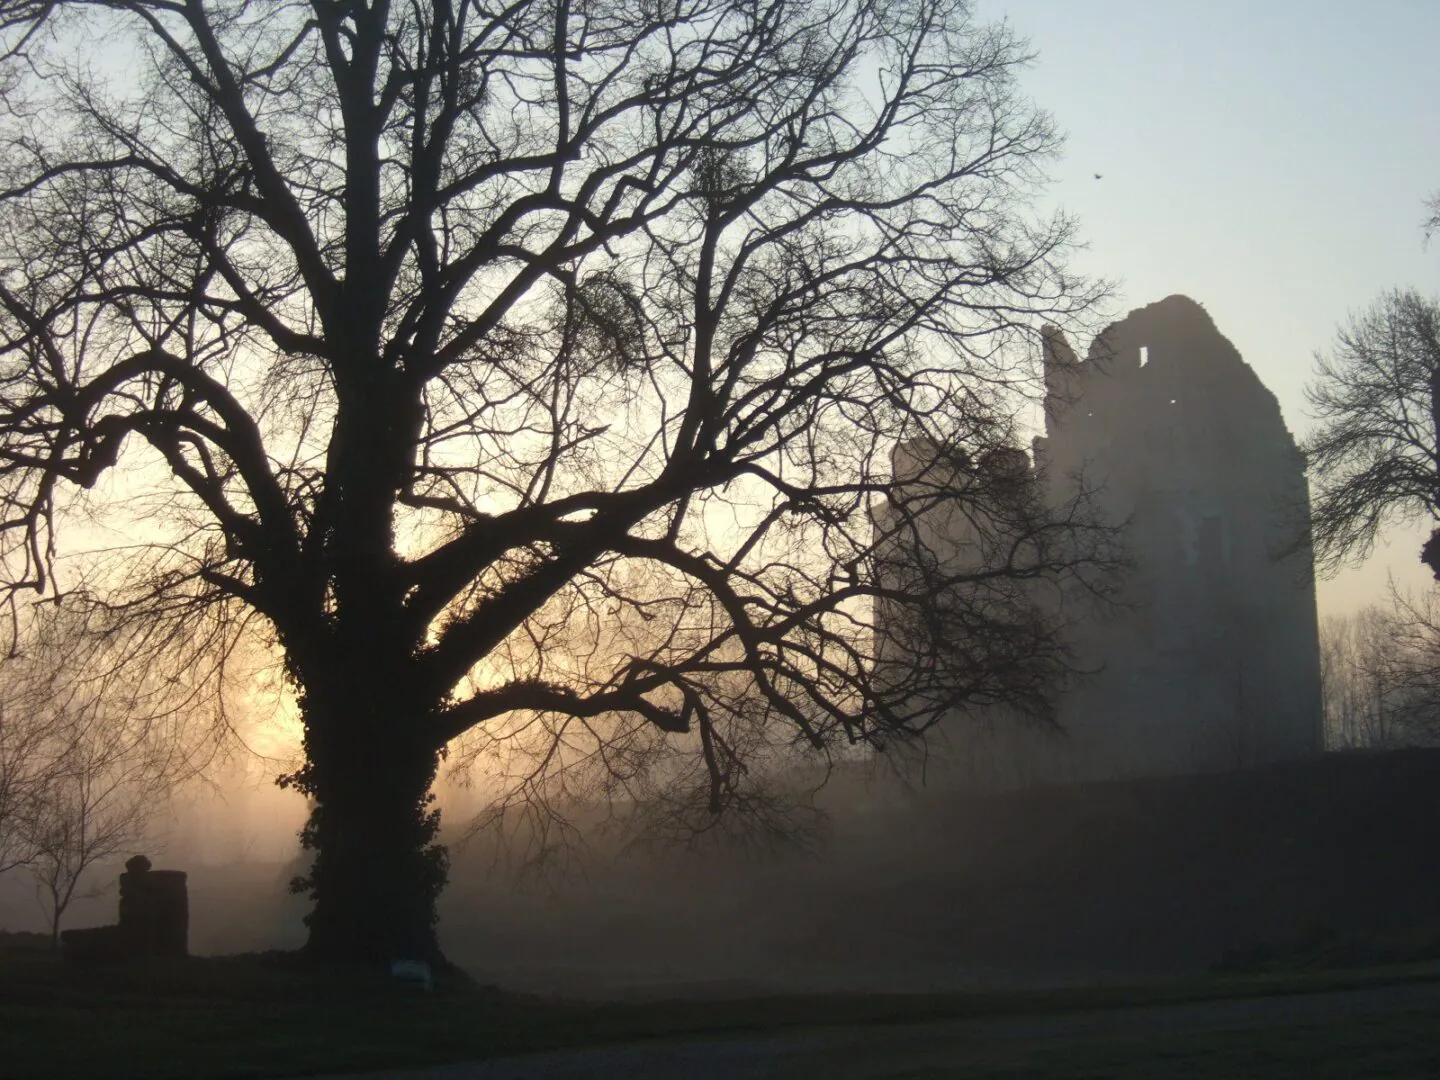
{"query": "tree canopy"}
pixel 1375 455
pixel 532 368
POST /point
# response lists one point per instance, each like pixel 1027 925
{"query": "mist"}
pixel 902 888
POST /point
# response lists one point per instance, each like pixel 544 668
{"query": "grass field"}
pixel 1387 1048
pixel 267 1016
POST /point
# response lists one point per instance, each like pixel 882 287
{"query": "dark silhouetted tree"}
pixel 1375 457
pixel 531 369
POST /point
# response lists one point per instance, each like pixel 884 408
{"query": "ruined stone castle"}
pixel 1211 661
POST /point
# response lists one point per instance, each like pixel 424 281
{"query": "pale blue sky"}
pixel 1270 159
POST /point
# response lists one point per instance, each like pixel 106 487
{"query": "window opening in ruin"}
pixel 1144 355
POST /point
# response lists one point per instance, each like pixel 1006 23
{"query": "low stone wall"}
pixel 154 919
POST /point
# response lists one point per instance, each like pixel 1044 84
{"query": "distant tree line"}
pixel 1380 675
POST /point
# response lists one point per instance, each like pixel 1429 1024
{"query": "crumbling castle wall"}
pixel 1211 660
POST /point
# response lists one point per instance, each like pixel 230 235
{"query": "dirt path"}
pixel 924 1050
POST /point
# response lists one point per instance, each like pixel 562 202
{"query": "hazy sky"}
pixel 1269 158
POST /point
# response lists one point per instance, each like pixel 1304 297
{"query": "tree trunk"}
pixel 377 871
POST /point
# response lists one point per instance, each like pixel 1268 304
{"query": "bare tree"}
pixel 458 339
pixel 101 803
pixel 35 737
pixel 1375 456
pixel 94 744
pixel 24 777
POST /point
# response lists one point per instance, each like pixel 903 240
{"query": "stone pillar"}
pixel 154 910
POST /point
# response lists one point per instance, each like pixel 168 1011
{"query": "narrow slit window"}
pixel 1144 355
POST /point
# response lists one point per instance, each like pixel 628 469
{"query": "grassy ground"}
pixel 267 1016
pixel 1389 1048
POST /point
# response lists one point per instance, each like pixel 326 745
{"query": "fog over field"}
pixel 903 889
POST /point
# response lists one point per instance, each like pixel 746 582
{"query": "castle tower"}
pixel 1213 662
pixel 1211 659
